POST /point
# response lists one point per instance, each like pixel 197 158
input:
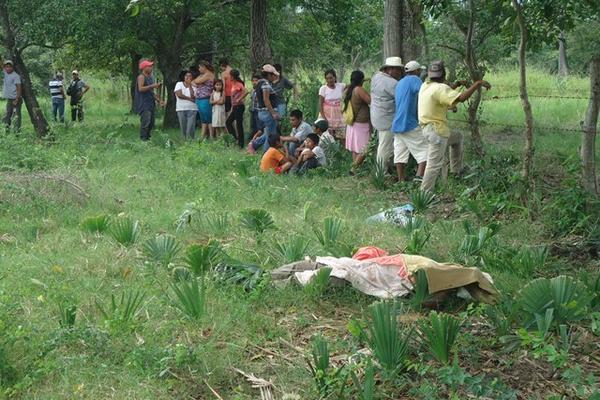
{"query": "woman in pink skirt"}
pixel 359 132
pixel 330 100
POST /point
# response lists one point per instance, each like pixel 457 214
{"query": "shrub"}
pixel 67 313
pixel 125 231
pixel 162 249
pixel 201 258
pixel 318 284
pixel 567 296
pixel 217 223
pixel 439 333
pixel 96 224
pixel 421 200
pixel 293 250
pixel 386 340
pixel 237 273
pixel 191 299
pixel 329 238
pixel 416 241
pixel 122 313
pixel 257 220
pixel 529 259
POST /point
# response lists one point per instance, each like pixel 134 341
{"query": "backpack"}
pixel 72 89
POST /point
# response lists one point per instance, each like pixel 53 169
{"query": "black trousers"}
pixel 237 115
pixel 146 124
pixel 77 111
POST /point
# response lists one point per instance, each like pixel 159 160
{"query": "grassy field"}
pixel 48 262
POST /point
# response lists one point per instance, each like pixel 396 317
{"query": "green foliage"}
pixel 125 231
pixel 67 313
pixel 96 224
pixel 201 258
pixel 366 390
pixel 122 313
pixel 162 249
pixel 420 290
pixel 234 272
pixel 502 316
pixel 329 238
pixel 566 296
pixel 388 343
pixel 439 334
pixel 191 298
pixel 416 241
pixel 413 223
pixel 217 223
pixel 327 379
pixel 317 286
pixel 378 177
pixel 421 200
pixel 257 220
pixel 470 251
pixel 292 250
pixel 529 260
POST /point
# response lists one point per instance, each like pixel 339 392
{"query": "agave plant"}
pixel 191 298
pixel 125 231
pixel 201 258
pixel 318 284
pixel 162 249
pixel 257 220
pixel 387 341
pixel 439 333
pixel 122 312
pixel 566 295
pixel 292 250
pixel 421 200
pixel 96 224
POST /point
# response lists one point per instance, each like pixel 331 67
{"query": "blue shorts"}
pixel 204 110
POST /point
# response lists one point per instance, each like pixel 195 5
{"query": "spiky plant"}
pixel 257 220
pixel 201 258
pixel 123 311
pixel 421 200
pixel 387 342
pixel 417 241
pixel 217 223
pixel 238 273
pixel 439 333
pixel 125 231
pixel 318 284
pixel 413 223
pixel 291 250
pixel 366 390
pixel 162 249
pixel 96 224
pixel 420 291
pixel 530 259
pixel 329 238
pixel 191 297
pixel 67 314
pixel 378 177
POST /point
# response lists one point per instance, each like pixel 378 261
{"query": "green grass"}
pixel 168 356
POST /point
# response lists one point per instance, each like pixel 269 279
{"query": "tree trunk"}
pixel 170 74
pixel 392 28
pixel 40 125
pixel 588 137
pixel 475 73
pixel 528 154
pixel 260 50
pixel 135 59
pixel 563 68
pixel 413 31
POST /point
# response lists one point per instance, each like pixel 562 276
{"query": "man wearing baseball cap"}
pixel 408 138
pixel 145 99
pixel 266 100
pixel 383 87
pixel 77 88
pixel 12 91
pixel 435 98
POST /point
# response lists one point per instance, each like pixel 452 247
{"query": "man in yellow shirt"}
pixel 435 98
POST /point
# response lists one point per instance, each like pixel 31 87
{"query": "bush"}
pixel 257 220
pixel 96 224
pixel 191 298
pixel 439 333
pixel 125 231
pixel 386 340
pixel 162 249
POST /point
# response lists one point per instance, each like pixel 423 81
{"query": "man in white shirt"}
pixel 57 93
pixel 12 92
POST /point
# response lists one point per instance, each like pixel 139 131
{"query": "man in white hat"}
pixel 77 88
pixel 12 91
pixel 408 138
pixel 383 108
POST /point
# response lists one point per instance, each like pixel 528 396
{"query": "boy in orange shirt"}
pixel 276 158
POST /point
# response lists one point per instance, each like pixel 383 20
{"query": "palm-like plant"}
pixel 191 299
pixel 421 200
pixel 413 223
pixel 125 231
pixel 124 310
pixel 201 258
pixel 386 340
pixel 417 241
pixel 329 238
pixel 257 220
pixel 217 223
pixel 379 176
pixel 237 273
pixel 292 250
pixel 162 249
pixel 96 224
pixel 439 334
pixel 420 290
pixel 67 313
pixel 318 284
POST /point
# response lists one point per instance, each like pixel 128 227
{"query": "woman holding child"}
pixel 203 88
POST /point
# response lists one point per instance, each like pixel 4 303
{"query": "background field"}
pixel 45 256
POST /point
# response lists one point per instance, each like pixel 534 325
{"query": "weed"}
pixel 96 224
pixel 162 249
pixel 366 390
pixel 237 273
pixel 421 200
pixel 201 258
pixel 329 238
pixel 420 291
pixel 386 340
pixel 318 284
pixel 257 220
pixel 529 259
pixel 416 241
pixel 413 223
pixel 67 313
pixel 378 177
pixel 122 313
pixel 125 231
pixel 328 380
pixel 292 250
pixel 217 223
pixel 191 297
pixel 439 334
pixel 502 316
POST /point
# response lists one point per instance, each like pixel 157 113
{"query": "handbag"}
pixel 348 114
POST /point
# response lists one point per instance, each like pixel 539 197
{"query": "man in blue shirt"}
pixel 408 138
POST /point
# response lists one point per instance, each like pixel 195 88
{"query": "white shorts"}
pixel 412 142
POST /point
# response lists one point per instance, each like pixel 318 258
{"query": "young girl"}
pixel 238 94
pixel 217 100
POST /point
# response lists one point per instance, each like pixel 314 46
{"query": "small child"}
pixel 217 99
pixel 321 128
pixel 276 158
pixel 311 157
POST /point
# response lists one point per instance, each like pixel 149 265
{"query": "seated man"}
pixel 300 130
pixel 311 157
pixel 276 157
pixel 321 128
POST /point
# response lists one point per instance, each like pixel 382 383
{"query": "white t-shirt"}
pixel 181 104
pixel 326 139
pixel 320 155
pixel 330 94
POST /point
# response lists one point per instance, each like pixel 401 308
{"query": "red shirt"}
pixel 228 82
pixel 237 90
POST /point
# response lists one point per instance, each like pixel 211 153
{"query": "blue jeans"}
pixel 58 108
pixel 270 128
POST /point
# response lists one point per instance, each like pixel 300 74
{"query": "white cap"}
pixel 393 62
pixel 412 66
pixel 75 72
